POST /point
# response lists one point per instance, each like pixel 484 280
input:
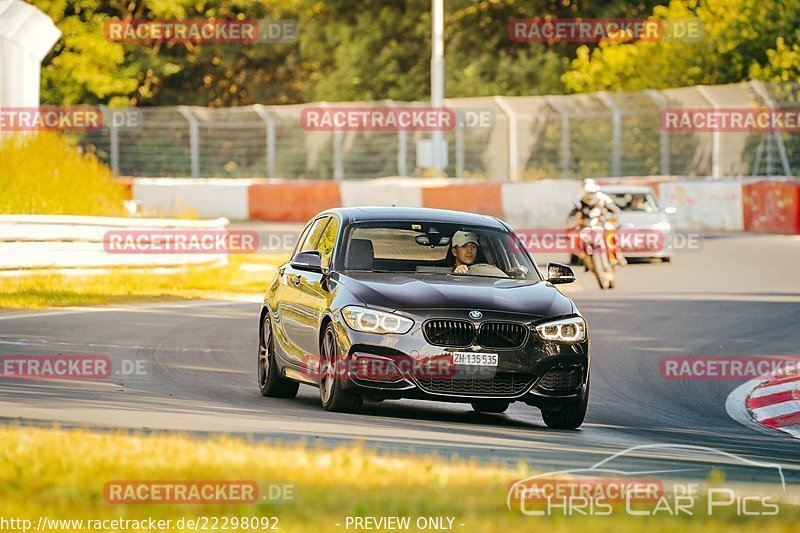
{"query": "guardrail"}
pixel 76 242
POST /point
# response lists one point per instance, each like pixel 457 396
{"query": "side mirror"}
pixel 558 273
pixel 670 210
pixel 308 261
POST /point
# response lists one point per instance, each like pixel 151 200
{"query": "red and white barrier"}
pixel 775 403
pixel 768 205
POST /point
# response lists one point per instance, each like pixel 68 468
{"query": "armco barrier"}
pixel 68 242
pixel 291 201
pixel 772 206
pixel 704 205
pixel 483 198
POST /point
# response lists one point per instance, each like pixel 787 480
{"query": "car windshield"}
pixel 424 248
pixel 641 202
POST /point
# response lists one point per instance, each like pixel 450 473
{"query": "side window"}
pixel 328 241
pixel 313 235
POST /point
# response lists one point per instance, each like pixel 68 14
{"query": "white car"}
pixel 642 216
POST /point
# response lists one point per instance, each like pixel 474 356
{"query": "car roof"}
pixel 621 189
pixel 413 214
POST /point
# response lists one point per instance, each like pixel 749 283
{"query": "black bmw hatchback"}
pixel 384 303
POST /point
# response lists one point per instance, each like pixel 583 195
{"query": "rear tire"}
pixel 570 416
pixel 490 406
pixel 270 381
pixel 331 377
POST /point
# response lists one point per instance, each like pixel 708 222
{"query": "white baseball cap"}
pixel 460 238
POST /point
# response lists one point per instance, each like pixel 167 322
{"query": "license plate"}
pixel 474 359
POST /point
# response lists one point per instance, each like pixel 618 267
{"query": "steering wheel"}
pixel 485 269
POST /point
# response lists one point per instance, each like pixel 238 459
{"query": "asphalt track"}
pixel 738 296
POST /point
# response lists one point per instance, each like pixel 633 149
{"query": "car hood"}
pixel 397 291
pixel 636 220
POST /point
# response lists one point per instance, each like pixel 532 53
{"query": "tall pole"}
pixel 437 75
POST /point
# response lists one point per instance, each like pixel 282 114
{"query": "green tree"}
pixel 742 39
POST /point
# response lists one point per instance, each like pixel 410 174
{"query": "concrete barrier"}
pixel 482 198
pixel 207 198
pixel 291 201
pixel 541 204
pixel 385 192
pixel 704 205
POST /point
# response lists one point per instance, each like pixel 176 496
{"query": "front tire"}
pixel 331 377
pixel 570 416
pixel 270 381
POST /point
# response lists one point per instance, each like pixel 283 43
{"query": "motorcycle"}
pixel 598 248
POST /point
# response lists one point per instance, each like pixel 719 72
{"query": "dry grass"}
pixel 61 474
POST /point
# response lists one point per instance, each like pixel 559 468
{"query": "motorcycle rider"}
pixel 593 198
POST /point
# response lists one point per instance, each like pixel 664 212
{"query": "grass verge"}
pixel 243 275
pixel 61 474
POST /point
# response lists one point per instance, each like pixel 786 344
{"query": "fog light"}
pixel 376 368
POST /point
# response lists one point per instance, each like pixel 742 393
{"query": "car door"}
pixel 293 311
pixel 313 294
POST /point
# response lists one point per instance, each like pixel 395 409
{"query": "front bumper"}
pixel 538 372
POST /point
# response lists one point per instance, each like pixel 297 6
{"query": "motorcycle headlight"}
pixel 564 330
pixel 372 321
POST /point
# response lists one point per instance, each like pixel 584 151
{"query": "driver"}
pixel 465 250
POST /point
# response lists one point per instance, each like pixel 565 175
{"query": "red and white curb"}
pixel 772 402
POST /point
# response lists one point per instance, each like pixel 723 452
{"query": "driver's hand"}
pixel 461 269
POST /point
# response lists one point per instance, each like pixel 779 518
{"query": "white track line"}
pixel 111 309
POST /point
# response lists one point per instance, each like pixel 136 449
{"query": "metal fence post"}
pixel 338 162
pixel 716 139
pixel 513 164
pixel 459 148
pixel 269 123
pixel 402 147
pixel 616 133
pixel 113 140
pixel 565 144
pixel 763 93
pixel 194 138
pixel 663 135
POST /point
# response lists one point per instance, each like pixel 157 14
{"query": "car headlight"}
pixel 372 321
pixel 565 330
